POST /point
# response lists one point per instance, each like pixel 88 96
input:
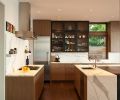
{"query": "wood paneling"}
pixel 57 72
pixel 115 36
pixel 62 72
pixel 80 84
pixel 69 72
pixel 24 88
pixel 42 27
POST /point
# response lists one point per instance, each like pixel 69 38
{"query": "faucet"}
pixel 95 60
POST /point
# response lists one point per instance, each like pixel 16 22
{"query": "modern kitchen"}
pixel 60 50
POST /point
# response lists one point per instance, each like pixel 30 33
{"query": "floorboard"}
pixel 59 91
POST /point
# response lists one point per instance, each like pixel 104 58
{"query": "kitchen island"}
pixel 95 84
pixel 115 70
pixel 27 85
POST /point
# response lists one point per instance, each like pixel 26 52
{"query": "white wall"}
pixel 2 56
pixel 12 15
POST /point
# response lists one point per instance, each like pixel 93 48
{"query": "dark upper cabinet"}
pixel 42 28
pixel 70 36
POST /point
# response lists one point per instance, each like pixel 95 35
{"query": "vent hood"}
pixel 24 21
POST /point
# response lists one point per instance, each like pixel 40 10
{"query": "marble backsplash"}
pixel 83 58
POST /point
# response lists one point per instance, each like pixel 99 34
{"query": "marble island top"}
pixel 101 84
pixel 98 63
pixel 30 73
pixel 115 70
pixel 94 71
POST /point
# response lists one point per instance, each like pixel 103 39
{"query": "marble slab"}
pixel 101 84
pixel 102 88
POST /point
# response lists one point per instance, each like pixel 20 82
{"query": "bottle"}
pixel 27 61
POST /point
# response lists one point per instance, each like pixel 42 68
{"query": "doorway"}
pixel 2 54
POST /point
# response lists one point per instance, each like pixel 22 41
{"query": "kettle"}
pixel 57 59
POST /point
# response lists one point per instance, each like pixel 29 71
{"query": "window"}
pixel 98 40
pixel 97 27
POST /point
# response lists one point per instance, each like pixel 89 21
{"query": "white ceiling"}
pixel 92 10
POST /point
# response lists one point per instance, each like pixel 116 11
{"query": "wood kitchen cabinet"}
pixel 41 27
pixel 57 72
pixel 69 36
pixel 39 84
pixel 69 72
pixel 62 72
pixel 25 87
pixel 80 83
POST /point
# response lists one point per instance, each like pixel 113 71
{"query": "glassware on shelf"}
pixel 83 36
pixel 80 36
pixel 53 35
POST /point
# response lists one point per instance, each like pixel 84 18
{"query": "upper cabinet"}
pixel 114 29
pixel 24 21
pixel 70 36
pixel 41 27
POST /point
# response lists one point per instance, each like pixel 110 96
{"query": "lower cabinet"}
pixel 24 87
pixel 61 72
pixel 80 83
pixel 39 84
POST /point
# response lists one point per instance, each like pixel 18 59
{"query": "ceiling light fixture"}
pixel 38 12
pixel 90 10
pixel 59 10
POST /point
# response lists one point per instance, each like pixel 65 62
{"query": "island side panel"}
pixel 19 88
pixel 102 87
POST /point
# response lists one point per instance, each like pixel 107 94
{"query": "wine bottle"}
pixel 27 61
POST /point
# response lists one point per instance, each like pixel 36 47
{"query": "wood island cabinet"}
pixel 25 87
pixel 80 83
pixel 41 27
pixel 62 72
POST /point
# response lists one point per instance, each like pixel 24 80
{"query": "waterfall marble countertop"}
pixel 94 71
pixel 30 73
pixel 101 84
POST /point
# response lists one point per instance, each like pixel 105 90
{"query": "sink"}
pixel 31 68
pixel 87 67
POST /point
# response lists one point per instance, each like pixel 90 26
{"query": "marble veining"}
pixel 101 84
pixel 102 88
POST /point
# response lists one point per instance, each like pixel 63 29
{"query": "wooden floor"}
pixel 59 91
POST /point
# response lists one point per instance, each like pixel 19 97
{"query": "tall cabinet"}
pixel 41 27
pixel 69 36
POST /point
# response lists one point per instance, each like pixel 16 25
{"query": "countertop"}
pixel 30 73
pixel 113 69
pixel 102 64
pixel 95 71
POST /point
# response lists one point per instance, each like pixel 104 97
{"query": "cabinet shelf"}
pixel 9 55
pixel 72 34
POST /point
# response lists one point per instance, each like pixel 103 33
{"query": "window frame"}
pixel 101 33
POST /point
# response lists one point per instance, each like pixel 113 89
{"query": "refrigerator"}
pixel 41 54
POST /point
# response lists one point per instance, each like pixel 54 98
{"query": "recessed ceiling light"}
pixel 90 10
pixel 38 12
pixel 112 16
pixel 59 9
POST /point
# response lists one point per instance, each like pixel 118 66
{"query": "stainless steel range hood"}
pixel 24 21
pixel 24 35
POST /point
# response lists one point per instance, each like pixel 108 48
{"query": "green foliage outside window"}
pixel 97 27
pixel 96 41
